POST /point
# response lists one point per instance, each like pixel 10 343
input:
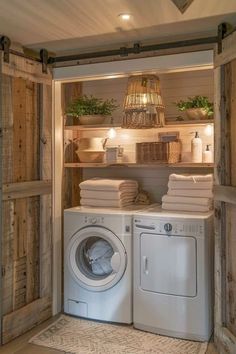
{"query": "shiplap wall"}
pixel 174 87
pixel 128 138
pixel 153 180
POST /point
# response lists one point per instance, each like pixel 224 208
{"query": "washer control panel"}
pixel 94 220
pixel 169 227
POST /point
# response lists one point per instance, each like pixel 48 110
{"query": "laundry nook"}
pixel 118 177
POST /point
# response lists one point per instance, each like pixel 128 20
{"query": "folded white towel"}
pixel 191 178
pixel 106 202
pixel 108 184
pixel 189 185
pixel 85 193
pixel 191 192
pixel 185 207
pixel 187 200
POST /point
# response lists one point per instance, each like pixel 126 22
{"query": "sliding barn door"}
pixel 225 195
pixel 26 196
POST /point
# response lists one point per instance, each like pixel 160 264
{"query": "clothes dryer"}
pixel 173 273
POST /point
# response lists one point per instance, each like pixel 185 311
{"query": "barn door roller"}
pixel 5 46
pixel 224 30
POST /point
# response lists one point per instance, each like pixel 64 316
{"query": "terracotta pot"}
pixel 91 119
pixel 196 113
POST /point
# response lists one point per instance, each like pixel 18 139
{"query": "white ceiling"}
pixel 61 25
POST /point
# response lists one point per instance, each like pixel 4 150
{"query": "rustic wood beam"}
pixel 26 189
pixel 226 194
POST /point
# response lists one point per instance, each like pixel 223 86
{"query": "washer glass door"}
pixel 96 258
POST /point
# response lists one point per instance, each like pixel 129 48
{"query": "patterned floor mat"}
pixel 79 336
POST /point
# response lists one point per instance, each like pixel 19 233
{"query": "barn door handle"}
pixel 145 265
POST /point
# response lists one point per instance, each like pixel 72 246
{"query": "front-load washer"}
pixel 173 273
pixel 98 263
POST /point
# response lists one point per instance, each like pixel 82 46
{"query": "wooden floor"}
pixel 21 345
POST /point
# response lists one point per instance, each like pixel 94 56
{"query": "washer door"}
pixel 96 258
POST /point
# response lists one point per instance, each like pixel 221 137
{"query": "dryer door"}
pixel 169 264
pixel 96 258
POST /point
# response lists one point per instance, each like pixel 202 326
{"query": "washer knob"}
pixel 93 221
pixel 168 227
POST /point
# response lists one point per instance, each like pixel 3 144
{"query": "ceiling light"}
pixel 125 16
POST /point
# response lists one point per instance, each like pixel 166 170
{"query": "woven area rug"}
pixel 78 336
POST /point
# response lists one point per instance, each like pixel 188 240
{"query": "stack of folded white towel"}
pixel 114 193
pixel 189 193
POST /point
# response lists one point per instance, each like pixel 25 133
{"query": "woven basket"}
pixel 166 152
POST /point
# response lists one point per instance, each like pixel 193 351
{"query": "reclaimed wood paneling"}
pixel 26 189
pixel 225 205
pixel 26 238
pixel 26 69
pixel 20 321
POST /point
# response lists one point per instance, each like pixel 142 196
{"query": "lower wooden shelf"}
pixel 139 165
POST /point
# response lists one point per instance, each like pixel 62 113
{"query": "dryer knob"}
pixel 93 221
pixel 168 227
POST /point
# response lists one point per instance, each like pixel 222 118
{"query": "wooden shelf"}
pixel 108 126
pixel 138 165
pixel 189 123
pixel 88 127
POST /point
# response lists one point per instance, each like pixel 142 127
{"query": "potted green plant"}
pixel 197 107
pixel 90 110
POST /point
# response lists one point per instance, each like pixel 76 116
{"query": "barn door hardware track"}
pixel 136 49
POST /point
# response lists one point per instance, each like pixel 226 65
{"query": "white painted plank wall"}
pixel 174 86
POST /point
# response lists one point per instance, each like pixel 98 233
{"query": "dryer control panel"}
pixel 169 227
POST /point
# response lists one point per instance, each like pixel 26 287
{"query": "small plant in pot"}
pixel 90 110
pixel 197 107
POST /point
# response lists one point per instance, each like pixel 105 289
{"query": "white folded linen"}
pixel 85 193
pixel 189 185
pixel 106 203
pixel 191 192
pixel 187 200
pixel 185 207
pixel 191 178
pixel 108 184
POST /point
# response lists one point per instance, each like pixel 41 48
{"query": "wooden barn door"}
pixel 26 196
pixel 225 196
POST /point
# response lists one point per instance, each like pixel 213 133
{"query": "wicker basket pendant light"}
pixel 143 106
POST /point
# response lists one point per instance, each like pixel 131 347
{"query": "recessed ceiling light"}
pixel 125 16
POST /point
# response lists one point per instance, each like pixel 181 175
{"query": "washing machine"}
pixel 173 273
pixel 98 263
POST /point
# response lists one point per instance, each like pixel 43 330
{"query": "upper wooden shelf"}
pixel 85 127
pixel 137 165
pixel 169 124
